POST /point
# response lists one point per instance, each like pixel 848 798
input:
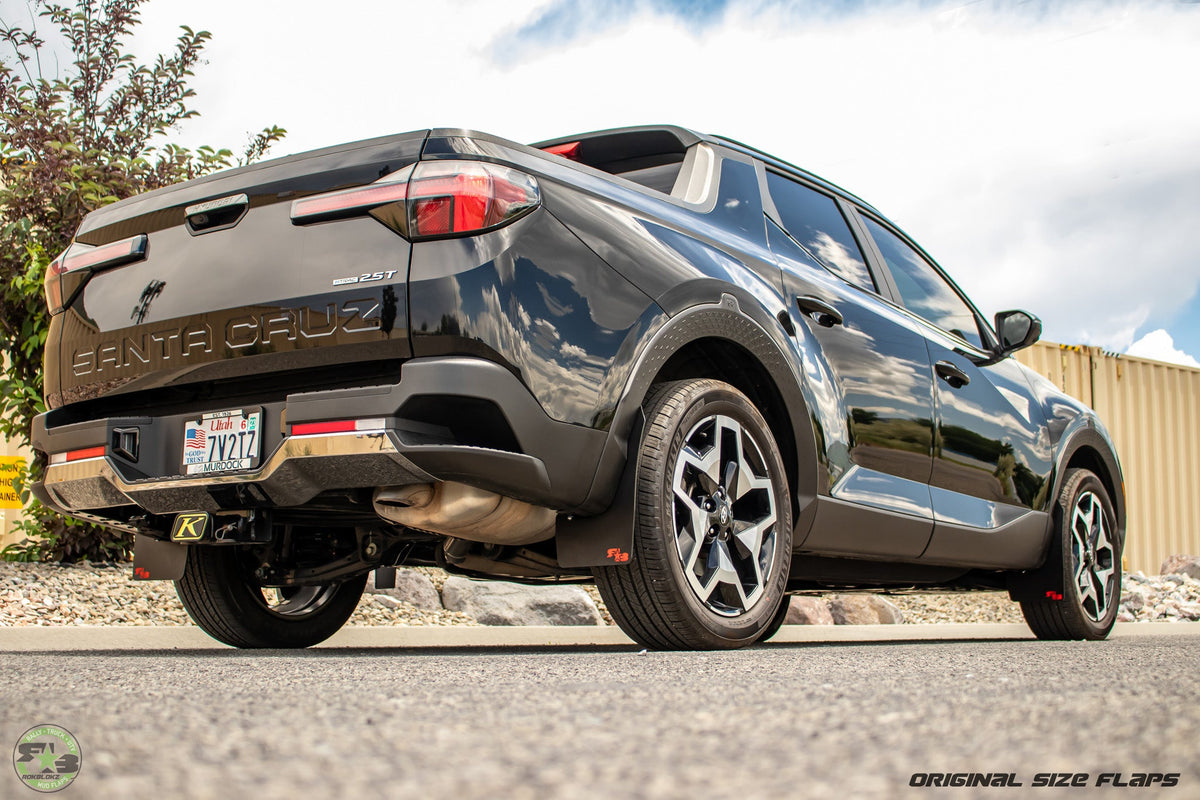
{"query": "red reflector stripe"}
pixel 569 150
pixel 340 426
pixel 90 452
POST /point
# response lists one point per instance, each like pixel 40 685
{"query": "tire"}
pixel 221 596
pixel 1090 558
pixel 777 621
pixel 720 589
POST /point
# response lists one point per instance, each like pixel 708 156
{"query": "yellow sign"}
pixel 189 527
pixel 10 467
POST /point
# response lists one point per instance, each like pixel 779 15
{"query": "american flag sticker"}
pixel 196 439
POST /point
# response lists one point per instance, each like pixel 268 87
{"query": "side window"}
pixel 924 292
pixel 814 220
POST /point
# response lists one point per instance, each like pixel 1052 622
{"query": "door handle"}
pixel 819 311
pixel 951 374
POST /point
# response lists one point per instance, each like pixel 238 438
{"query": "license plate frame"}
pixel 220 442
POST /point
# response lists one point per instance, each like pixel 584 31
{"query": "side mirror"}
pixel 1017 330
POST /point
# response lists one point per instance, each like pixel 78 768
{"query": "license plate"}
pixel 223 441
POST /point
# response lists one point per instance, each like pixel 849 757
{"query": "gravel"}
pixel 1173 598
pixel 991 607
pixel 104 594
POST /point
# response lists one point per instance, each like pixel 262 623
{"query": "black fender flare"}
pixel 1085 431
pixel 605 536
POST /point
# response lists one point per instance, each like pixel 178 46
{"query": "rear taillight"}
pixel 79 257
pixel 438 199
pixel 53 284
pixel 352 202
pixel 450 198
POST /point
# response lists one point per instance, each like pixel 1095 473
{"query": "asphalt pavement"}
pixel 567 716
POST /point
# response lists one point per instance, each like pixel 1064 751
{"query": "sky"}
pixel 1045 153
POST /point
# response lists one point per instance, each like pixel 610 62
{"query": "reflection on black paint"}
pixel 387 317
pixel 986 446
pixel 541 303
pixel 881 366
pixel 153 289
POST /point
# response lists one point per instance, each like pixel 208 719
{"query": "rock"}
pixel 1181 565
pixel 804 610
pixel 412 587
pixel 863 609
pixel 1134 601
pixel 500 603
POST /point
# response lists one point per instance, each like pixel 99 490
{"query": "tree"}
pixel 71 143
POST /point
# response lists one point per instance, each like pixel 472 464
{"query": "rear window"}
pixel 814 220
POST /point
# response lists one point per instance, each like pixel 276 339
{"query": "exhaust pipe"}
pixel 465 512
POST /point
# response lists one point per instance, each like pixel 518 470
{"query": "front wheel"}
pixel 1090 561
pixel 777 621
pixel 220 594
pixel 713 540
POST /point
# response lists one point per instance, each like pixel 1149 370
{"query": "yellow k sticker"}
pixel 190 527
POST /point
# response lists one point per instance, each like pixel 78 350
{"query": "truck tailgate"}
pixel 239 292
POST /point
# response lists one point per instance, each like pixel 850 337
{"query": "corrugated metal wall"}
pixel 1152 410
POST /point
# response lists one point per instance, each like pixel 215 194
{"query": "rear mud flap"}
pixel 1045 582
pixel 157 560
pixel 606 539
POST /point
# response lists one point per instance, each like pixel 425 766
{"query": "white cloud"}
pixel 1161 347
pixel 1041 152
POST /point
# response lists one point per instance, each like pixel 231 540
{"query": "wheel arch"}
pixel 1086 446
pixel 736 339
pixel 1090 448
pixel 738 342
pixel 729 361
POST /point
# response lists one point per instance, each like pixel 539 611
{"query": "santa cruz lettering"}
pixel 238 334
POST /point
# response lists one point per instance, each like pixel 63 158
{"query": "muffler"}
pixel 464 512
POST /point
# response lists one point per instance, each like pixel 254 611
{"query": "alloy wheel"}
pixel 724 515
pixel 1094 558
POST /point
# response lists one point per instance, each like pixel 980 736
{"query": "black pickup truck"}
pixel 663 361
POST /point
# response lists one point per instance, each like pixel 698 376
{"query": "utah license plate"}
pixel 223 441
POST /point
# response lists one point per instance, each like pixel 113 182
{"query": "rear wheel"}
pixel 221 595
pixel 1090 562
pixel 714 534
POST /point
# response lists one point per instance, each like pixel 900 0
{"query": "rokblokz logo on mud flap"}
pixel 47 758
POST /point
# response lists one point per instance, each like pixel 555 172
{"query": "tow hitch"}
pixel 200 527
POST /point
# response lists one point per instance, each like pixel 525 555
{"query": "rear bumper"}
pixel 548 463
pixel 299 469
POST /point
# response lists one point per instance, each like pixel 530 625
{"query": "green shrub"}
pixel 69 144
